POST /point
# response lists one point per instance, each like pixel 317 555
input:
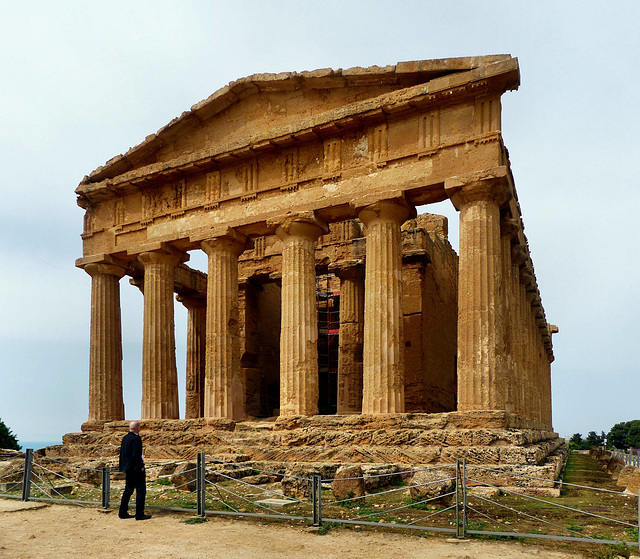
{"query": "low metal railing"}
pixel 630 457
pixel 446 498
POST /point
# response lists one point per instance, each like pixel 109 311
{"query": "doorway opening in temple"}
pixel 328 305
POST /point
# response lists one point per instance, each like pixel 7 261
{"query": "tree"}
pixel 624 435
pixel 617 437
pixel 633 436
pixel 593 439
pixel 576 442
pixel 7 438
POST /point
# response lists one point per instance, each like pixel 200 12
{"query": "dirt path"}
pixel 76 532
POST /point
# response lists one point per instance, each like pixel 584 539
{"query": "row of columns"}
pixel 502 359
pixel 502 362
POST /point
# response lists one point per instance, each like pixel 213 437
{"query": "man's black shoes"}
pixel 143 517
pixel 125 515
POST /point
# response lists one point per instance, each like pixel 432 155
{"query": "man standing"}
pixel 132 464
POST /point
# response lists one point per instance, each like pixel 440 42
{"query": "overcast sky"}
pixel 83 81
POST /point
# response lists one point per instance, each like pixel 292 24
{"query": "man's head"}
pixel 134 426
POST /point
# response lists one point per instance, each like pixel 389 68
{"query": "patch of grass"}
pixel 347 504
pixel 611 551
pixel 633 534
pixel 163 481
pixel 575 527
pixel 326 527
pixel 418 505
pixel 195 520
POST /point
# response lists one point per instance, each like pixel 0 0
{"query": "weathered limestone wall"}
pixel 440 325
pixel 430 274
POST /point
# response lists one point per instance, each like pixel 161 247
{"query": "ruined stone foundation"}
pixel 489 438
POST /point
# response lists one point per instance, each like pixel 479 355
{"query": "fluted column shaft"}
pixel 105 353
pixel 351 340
pixel 159 372
pixel 517 335
pixel 383 363
pixel 224 388
pixel 531 361
pixel 299 325
pixel 506 329
pixel 482 372
pixel 196 336
pixel 524 349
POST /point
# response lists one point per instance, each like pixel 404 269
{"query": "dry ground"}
pixel 70 531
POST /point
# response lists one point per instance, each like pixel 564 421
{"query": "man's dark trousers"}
pixel 135 479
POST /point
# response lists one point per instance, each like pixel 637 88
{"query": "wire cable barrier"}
pixel 462 499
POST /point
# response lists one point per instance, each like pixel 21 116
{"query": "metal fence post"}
pixel 458 533
pixel 464 498
pixel 106 486
pixel 316 498
pixel 26 476
pixel 201 483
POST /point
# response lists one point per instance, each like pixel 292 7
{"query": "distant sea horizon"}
pixel 35 445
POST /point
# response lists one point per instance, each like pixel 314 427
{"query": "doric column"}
pixel 105 353
pixel 196 336
pixel 224 387
pixel 551 329
pixel 518 256
pixel 533 394
pixel 482 374
pixel 383 367
pixel 524 344
pixel 351 338
pixel 159 372
pixel 299 326
pixel 508 230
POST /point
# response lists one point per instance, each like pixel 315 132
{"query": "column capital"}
pixel 527 277
pixel 165 255
pixel 227 239
pixel 306 224
pixel 104 269
pixel 396 210
pixel 509 228
pixel 491 185
pixel 518 255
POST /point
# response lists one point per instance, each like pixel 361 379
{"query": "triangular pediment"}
pixel 246 111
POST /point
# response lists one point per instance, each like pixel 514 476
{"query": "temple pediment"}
pixel 266 111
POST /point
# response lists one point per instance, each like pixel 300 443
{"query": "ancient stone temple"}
pixel 329 304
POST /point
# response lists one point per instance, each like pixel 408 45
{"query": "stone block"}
pixel 380 475
pixel 624 476
pixel 184 477
pixel 633 482
pixel 430 484
pixel 615 466
pixel 484 491
pixel 348 483
pixel 11 471
pixel 259 479
pixel 91 473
